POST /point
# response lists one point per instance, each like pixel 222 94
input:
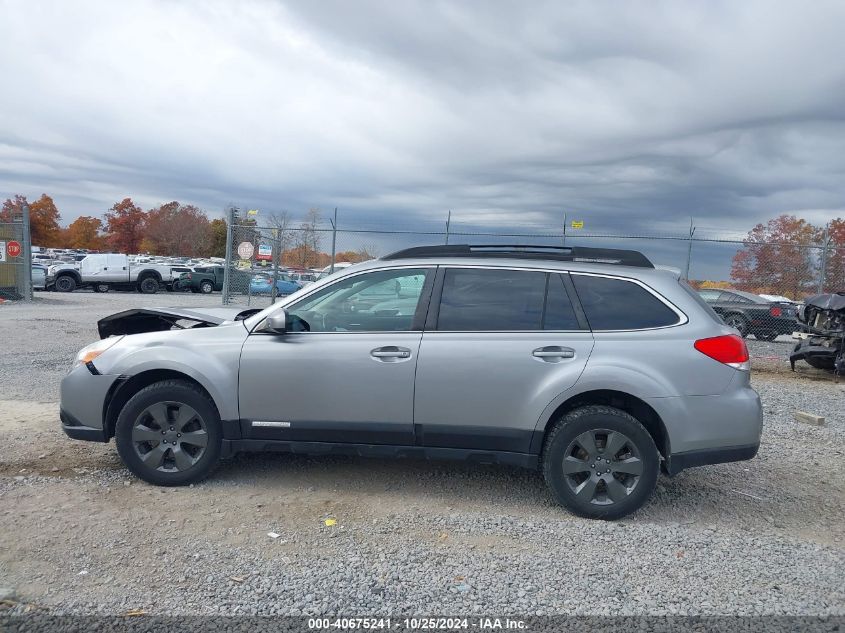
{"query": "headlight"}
pixel 92 351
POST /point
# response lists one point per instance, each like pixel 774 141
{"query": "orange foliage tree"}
pixel 84 232
pixel 125 226
pixel 177 229
pixel 778 258
pixel 835 265
pixel 43 218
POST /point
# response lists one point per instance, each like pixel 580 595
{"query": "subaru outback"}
pixel 588 364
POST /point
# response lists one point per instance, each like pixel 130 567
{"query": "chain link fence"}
pixel 270 257
pixel 15 259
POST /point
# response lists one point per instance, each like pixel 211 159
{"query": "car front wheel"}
pixel 600 462
pixel 169 434
pixel 206 287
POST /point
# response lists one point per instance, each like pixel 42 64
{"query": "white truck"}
pixel 104 271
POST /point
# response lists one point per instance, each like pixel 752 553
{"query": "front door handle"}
pixel 390 353
pixel 553 352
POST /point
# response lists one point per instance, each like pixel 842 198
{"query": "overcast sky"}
pixel 633 116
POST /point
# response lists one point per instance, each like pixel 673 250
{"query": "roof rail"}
pixel 618 257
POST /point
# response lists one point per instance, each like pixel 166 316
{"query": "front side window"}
pixel 491 300
pixel 617 304
pixel 380 301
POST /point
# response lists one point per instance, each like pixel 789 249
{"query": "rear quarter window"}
pixel 617 304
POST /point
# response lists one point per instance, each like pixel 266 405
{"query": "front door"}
pixel 344 370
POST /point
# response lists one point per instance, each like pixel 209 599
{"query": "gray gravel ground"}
pixel 79 535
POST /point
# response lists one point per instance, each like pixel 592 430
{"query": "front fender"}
pixel 210 356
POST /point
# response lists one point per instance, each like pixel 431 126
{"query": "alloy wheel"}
pixel 169 437
pixel 602 467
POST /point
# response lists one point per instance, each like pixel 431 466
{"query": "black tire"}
pixel 100 287
pixel 65 283
pixel 148 285
pixel 766 335
pixel 737 322
pixel 206 287
pixel 586 491
pixel 194 290
pixel 175 396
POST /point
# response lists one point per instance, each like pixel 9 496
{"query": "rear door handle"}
pixel 553 351
pixel 390 352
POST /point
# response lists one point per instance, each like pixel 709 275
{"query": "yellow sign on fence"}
pixel 577 224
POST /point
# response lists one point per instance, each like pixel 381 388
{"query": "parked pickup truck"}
pixel 207 280
pixel 104 271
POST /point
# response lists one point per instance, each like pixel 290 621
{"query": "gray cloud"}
pixel 634 116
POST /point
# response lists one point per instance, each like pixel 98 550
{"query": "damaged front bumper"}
pixel 822 334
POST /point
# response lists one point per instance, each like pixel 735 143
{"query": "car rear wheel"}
pixel 737 322
pixel 100 287
pixel 148 285
pixel 206 287
pixel 169 434
pixel 600 462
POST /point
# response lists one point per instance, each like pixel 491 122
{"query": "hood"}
pixel 834 301
pixel 141 320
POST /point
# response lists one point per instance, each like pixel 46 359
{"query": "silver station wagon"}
pixel 588 364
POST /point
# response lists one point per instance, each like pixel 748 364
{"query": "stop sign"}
pixel 13 248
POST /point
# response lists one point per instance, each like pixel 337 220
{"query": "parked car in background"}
pixel 207 280
pixel 752 314
pixel 39 277
pixel 105 271
pixel 262 284
pixel 328 269
pixel 303 279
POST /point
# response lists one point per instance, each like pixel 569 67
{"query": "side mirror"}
pixel 277 322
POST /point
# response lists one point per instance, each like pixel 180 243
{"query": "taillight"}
pixel 729 349
pixel 775 311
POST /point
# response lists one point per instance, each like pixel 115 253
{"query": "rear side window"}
pixel 491 300
pixel 616 304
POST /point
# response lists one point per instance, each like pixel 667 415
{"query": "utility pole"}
pixel 689 248
pixel 564 228
pixel 823 266
pixel 334 239
pixel 230 221
pixel 448 223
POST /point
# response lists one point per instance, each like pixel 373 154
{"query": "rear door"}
pixel 501 344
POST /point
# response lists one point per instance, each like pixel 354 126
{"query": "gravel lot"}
pixel 79 535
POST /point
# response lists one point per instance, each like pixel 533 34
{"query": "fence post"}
pixel 563 243
pixel 26 253
pixel 689 249
pixel 334 239
pixel 448 222
pixel 823 267
pixel 230 220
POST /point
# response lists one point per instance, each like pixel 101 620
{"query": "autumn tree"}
pixel 84 232
pixel 778 258
pixel 306 241
pixel 834 279
pixel 217 238
pixel 176 229
pixel 12 209
pixel 125 226
pixel 361 255
pixel 44 222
